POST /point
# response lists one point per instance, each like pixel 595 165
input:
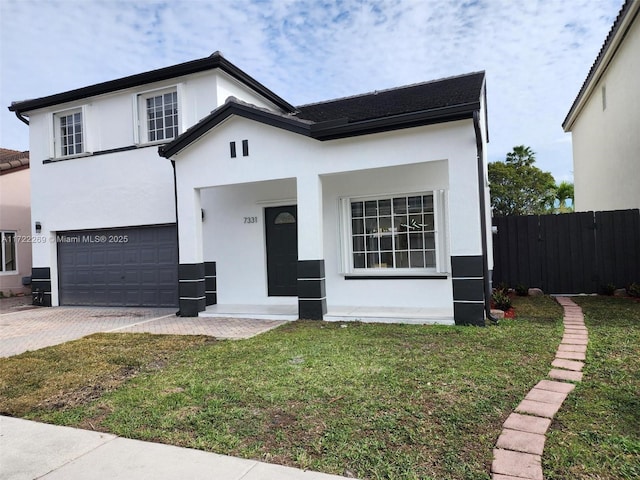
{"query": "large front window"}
pixel 395 232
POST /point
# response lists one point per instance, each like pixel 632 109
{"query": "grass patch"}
pixel 367 400
pixel 77 372
pixel 596 433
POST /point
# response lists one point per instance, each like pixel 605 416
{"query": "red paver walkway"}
pixel 518 452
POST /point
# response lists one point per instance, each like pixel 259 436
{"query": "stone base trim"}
pixel 467 277
pixel 210 283
pixel 41 286
pixel 191 288
pixel 312 296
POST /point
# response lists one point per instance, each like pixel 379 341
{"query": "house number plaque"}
pixel 250 219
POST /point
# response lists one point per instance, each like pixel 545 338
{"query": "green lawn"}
pixel 596 433
pixel 372 401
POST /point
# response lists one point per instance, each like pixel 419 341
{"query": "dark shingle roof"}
pixel 436 94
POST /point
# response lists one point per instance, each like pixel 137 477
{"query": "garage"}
pixel 135 266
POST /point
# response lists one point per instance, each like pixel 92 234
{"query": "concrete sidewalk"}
pixel 31 450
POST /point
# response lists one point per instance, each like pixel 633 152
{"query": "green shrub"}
pixel 634 290
pixel 502 287
pixel 501 300
pixel 608 289
pixel 522 290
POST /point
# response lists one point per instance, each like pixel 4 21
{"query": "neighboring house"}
pixel 604 121
pixel 15 221
pixel 367 207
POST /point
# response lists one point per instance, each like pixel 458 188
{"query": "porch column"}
pixel 312 301
pixel 191 270
pixel 466 240
pixel 44 270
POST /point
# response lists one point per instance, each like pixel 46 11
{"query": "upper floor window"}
pixel 158 115
pixel 69 133
pixel 8 252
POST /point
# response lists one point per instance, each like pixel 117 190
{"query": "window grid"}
pixel 162 116
pixel 8 252
pixel 71 134
pixel 396 232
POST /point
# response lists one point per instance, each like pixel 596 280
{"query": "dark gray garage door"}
pixel 119 267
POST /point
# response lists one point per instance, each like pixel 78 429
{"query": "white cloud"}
pixel 536 53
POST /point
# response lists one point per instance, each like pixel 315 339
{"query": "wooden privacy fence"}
pixel 568 253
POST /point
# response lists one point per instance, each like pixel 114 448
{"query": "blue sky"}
pixel 536 53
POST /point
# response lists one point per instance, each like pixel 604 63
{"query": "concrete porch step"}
pixel 334 313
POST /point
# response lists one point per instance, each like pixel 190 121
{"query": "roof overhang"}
pixel 216 60
pixel 625 19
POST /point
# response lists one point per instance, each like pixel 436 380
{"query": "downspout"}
pixel 175 200
pixel 483 218
pixel 22 118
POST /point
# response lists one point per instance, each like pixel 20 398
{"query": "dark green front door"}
pixel 281 229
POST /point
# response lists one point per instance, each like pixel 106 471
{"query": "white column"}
pixel 312 302
pixel 310 244
pixel 464 210
pixel 190 225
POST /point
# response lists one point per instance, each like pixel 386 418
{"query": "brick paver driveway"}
pixel 42 327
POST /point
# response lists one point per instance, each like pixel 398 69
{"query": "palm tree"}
pixel 521 156
pixel 564 192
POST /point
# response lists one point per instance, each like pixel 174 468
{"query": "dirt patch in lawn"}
pixel 77 373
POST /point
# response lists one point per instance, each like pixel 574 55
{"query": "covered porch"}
pixel 281 249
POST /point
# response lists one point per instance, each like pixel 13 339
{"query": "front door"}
pixel 281 230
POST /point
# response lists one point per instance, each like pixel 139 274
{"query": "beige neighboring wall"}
pixel 605 126
pixel 15 216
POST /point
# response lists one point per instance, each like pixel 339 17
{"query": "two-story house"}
pixel 196 186
pixel 604 121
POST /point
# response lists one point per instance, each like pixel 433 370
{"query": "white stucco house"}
pixel 604 121
pixel 196 186
pixel 15 222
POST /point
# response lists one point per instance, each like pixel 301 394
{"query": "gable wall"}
pixel 276 153
pixel 413 160
pixel 228 86
pixel 606 144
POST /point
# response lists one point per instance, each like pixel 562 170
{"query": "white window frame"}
pixel 440 236
pixel 141 130
pixel 57 151
pixel 3 242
